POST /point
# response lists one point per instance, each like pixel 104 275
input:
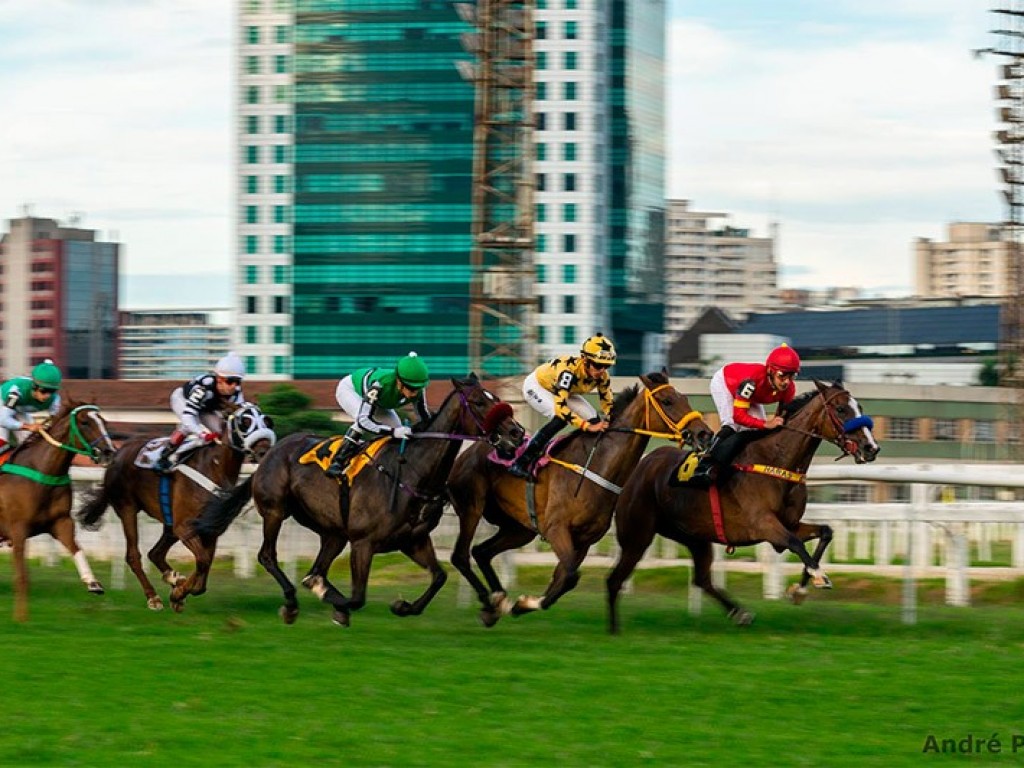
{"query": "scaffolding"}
pixel 1009 47
pixel 502 302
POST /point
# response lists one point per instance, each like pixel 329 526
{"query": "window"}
pixel 252 184
pixel 252 244
pixel 280 274
pixel 280 123
pixel 541 212
pixel 569 273
pixel 570 60
pixel 541 151
pixel 251 306
pixel 944 429
pixel 984 431
pixel 252 65
pixel 252 214
pixel 542 304
pixel 280 64
pixel 252 35
pixel 280 244
pixel 251 334
pixel 280 184
pixel 569 150
pixel 280 334
pixel 569 305
pixel 570 91
pixel 281 34
pixel 541 273
pixel 541 61
pixel 569 212
pixel 280 153
pixel 902 428
pixel 280 214
pixel 542 91
pixel 280 305
pixel 252 124
pixel 540 243
pixel 569 182
pixel 570 121
pixel 568 243
pixel 542 121
pixel 568 334
pixel 252 94
pixel 252 274
pixel 570 30
pixel 540 180
pixel 540 31
pixel 570 5
pixel 252 155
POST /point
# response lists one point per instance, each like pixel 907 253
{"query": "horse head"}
pixel 484 414
pixel 667 410
pixel 250 431
pixel 80 428
pixel 841 421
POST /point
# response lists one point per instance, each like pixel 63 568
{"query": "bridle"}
pixel 491 436
pixel 77 442
pixel 842 429
pixel 678 426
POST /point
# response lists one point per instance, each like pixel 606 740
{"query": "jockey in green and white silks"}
pixel 23 396
pixel 371 395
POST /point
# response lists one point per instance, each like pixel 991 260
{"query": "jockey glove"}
pixel 402 433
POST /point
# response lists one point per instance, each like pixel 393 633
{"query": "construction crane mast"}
pixel 502 301
pixel 1009 47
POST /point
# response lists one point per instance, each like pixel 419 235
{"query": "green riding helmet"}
pixel 413 371
pixel 46 374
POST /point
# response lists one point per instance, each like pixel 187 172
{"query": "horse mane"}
pixel 623 399
pixel 798 402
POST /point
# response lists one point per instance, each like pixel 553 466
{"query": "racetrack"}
pixel 103 681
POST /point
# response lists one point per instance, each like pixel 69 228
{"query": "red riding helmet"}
pixel 784 359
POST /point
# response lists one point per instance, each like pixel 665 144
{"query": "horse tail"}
pixel 96 503
pixel 220 511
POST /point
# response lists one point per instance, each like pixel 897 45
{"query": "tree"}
pixel 289 407
pixel 988 376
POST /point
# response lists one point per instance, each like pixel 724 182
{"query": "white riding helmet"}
pixel 230 365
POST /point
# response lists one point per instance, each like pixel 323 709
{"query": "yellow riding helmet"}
pixel 599 349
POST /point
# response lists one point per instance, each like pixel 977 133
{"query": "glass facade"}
pixel 89 311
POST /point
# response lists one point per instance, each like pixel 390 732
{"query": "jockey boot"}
pixel 163 463
pixel 348 450
pixel 521 467
pixel 720 454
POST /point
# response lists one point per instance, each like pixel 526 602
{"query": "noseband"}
pixel 677 427
pixel 76 440
pixel 841 428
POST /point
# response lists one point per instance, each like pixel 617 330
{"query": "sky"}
pixel 855 125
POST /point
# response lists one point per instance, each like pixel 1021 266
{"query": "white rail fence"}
pixel 923 538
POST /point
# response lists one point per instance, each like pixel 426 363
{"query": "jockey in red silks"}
pixel 740 392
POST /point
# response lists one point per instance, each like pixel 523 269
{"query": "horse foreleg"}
pixel 18 536
pixel 627 562
pixel 195 584
pixel 783 539
pixel 498 604
pixel 63 530
pixel 158 557
pixel 421 552
pixel 469 519
pixel 564 579
pixel 267 557
pixel 133 557
pixel 316 580
pixel 360 559
pixel 823 533
pixel 703 556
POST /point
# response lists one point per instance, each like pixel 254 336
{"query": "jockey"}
pixel 198 403
pixel 740 392
pixel 370 396
pixel 554 390
pixel 22 396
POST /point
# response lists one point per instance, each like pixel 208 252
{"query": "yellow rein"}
pixel 677 426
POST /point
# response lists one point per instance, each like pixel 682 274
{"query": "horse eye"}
pixel 246 423
pixel 268 422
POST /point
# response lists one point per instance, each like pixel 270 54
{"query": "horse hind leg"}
pixel 158 557
pixel 133 557
pixel 564 579
pixel 502 541
pixel 316 580
pixel 703 555
pixel 18 536
pixel 267 557
pixel 63 530
pixel 195 584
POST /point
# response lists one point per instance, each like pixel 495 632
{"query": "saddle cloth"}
pixel 684 470
pixel 323 453
pixel 150 452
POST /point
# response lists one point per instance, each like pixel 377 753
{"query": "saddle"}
pixel 323 453
pixel 150 452
pixel 683 471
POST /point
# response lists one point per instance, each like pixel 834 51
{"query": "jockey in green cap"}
pixel 23 396
pixel 371 395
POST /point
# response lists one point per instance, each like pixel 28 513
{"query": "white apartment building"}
pixel 709 263
pixel 173 343
pixel 972 261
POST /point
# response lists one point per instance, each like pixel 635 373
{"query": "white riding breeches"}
pixel 351 403
pixel 190 424
pixel 543 401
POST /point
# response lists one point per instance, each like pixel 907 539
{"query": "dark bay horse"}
pixel 394 503
pixel 763 499
pixel 572 503
pixel 176 499
pixel 35 489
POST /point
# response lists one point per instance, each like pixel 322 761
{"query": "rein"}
pixel 841 428
pixel 75 435
pixel 678 427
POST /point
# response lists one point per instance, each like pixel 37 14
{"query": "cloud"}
pixel 872 131
pixel 121 111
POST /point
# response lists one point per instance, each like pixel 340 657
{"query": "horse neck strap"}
pixel 677 427
pixel 198 478
pixel 767 469
pixel 36 475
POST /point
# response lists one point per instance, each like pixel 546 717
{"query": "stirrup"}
pixel 335 470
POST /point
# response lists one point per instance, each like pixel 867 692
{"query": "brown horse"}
pixel 571 504
pixel 35 489
pixel 393 504
pixel 762 500
pixel 175 499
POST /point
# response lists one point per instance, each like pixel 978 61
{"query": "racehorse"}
pixel 175 499
pixel 570 505
pixel 35 489
pixel 762 498
pixel 393 504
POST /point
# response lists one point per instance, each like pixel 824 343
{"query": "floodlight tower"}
pixel 1009 46
pixel 502 301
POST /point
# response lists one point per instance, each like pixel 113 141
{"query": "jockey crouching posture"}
pixel 554 390
pixel 23 396
pixel 370 396
pixel 199 404
pixel 740 392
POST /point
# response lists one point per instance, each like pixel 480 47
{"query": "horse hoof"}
pixel 340 618
pixel 288 615
pixel 796 594
pixel 178 605
pixel 155 604
pixel 94 587
pixel 401 608
pixel 741 617
pixel 489 617
pixel 822 582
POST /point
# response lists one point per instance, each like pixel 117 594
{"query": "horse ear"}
pixel 822 386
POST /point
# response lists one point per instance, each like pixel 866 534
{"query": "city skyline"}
pixel 857 126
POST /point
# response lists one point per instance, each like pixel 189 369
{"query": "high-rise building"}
pixel 972 261
pixel 709 263
pixel 173 343
pixel 58 294
pixel 355 169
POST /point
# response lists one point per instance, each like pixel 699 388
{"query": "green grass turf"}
pixel 839 681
